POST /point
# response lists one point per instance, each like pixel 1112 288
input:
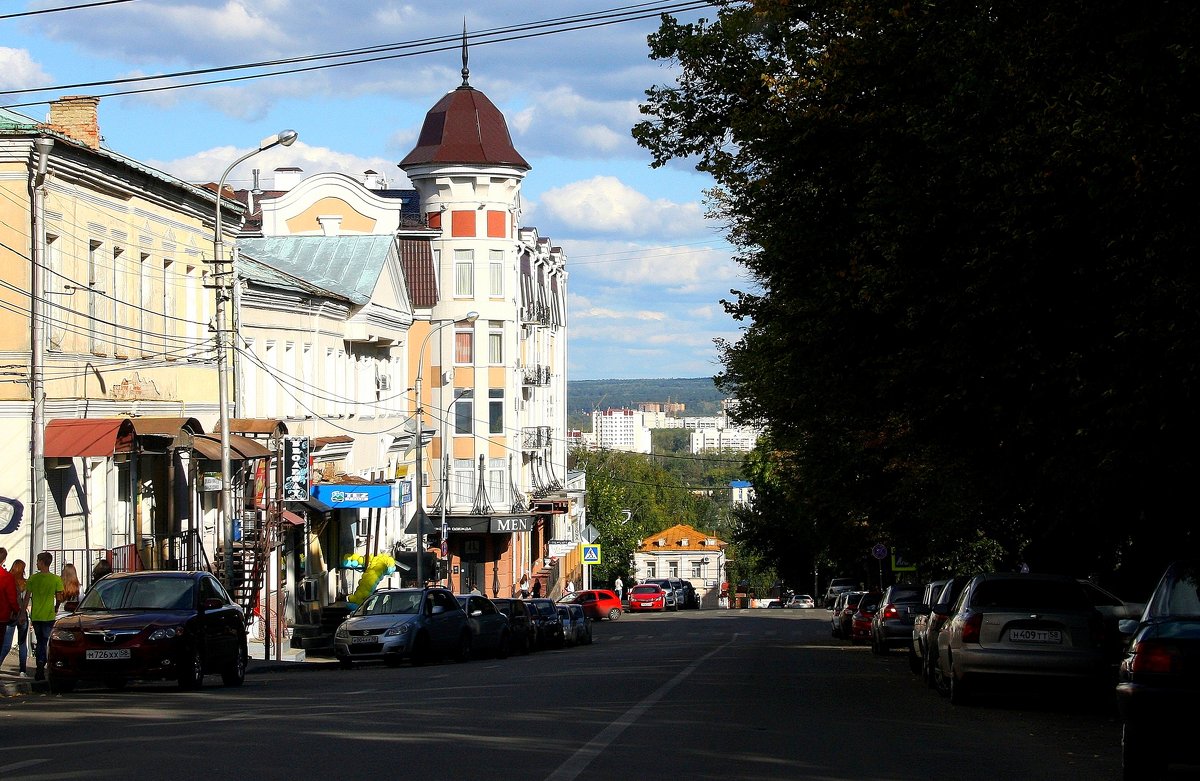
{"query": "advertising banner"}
pixel 296 476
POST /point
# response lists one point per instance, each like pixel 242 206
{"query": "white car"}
pixel 801 600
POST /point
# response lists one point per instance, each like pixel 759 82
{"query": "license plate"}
pixel 1035 635
pixel 107 653
pixel 363 639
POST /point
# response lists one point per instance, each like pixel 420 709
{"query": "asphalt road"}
pixel 762 694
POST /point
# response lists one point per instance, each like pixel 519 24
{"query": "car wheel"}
pixel 960 692
pixel 345 662
pixel 464 648
pixel 235 673
pixel 614 614
pixel 502 649
pixel 876 648
pixel 420 650
pixel 116 684
pixel 938 678
pixel 1138 758
pixel 191 669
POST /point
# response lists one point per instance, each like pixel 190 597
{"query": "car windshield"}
pixel 904 595
pixel 645 590
pixel 566 598
pixel 140 593
pixel 1019 594
pixel 391 603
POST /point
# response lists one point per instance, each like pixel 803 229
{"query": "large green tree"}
pixel 972 228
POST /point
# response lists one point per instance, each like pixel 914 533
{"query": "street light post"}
pixel 470 317
pixel 282 138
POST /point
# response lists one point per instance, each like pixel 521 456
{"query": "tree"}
pixel 971 229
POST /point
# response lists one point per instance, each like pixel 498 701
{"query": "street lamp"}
pixel 282 138
pixel 420 514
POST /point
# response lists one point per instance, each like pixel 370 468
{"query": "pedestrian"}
pixel 18 574
pixel 619 587
pixel 537 589
pixel 570 587
pixel 101 569
pixel 524 585
pixel 70 589
pixel 8 607
pixel 45 593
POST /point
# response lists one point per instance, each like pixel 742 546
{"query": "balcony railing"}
pixel 536 375
pixel 535 437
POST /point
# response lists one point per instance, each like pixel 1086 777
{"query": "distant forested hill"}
pixel 699 394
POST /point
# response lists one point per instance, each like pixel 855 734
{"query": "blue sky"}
pixel 647 271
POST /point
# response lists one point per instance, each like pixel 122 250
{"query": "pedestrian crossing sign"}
pixel 591 554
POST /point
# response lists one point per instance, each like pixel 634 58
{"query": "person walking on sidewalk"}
pixel 45 592
pixel 8 607
pixel 18 574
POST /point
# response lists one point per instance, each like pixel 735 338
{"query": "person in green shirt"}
pixel 45 589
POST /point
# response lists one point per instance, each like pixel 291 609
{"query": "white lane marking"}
pixel 4 769
pixel 578 762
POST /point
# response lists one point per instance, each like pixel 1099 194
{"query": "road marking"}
pixel 18 765
pixel 578 762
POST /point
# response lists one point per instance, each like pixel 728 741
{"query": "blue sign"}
pixel 339 496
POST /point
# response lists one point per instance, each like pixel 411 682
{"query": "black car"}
pixel 522 630
pixel 676 587
pixel 1159 679
pixel 891 626
pixel 549 626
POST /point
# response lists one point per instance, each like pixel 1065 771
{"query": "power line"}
pixel 423 46
pixel 76 7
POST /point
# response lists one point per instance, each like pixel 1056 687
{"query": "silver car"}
pixel 404 623
pixel 1007 626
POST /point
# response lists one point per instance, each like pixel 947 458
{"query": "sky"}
pixel 647 270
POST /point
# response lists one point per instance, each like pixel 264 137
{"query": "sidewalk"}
pixel 292 659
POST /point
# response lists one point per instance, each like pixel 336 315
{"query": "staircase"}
pixel 248 569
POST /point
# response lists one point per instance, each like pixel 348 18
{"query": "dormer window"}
pixel 710 541
pixel 660 542
pixel 683 542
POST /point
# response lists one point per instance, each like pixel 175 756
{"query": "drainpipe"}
pixel 37 344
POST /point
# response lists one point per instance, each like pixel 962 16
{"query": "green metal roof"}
pixel 347 266
pixel 11 120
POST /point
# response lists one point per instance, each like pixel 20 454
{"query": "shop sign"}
pixel 504 524
pixel 346 496
pixel 296 474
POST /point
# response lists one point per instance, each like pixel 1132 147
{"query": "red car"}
pixel 860 622
pixel 150 625
pixel 597 603
pixel 647 596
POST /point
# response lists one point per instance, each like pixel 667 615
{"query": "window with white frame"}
pixel 168 305
pixel 96 314
pixel 464 346
pixel 672 569
pixel 496 273
pixel 697 568
pixel 464 273
pixel 497 485
pixel 496 342
pixel 495 410
pixel 463 481
pixel 651 569
pixel 145 297
pixel 464 410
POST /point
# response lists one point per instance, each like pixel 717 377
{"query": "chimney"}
pixel 75 116
pixel 288 177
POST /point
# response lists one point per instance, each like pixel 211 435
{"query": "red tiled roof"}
pixel 416 258
pixel 675 534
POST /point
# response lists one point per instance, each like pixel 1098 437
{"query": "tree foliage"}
pixel 972 229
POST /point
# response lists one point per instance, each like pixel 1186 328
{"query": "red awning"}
pixel 241 448
pixel 88 437
pixel 291 518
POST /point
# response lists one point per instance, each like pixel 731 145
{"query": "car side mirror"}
pixel 476 613
pixel 437 610
pixel 212 603
pixel 1127 626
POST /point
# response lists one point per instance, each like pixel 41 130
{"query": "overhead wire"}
pixel 76 7
pixel 580 22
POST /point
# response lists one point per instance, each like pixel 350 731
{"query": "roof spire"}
pixel 466 72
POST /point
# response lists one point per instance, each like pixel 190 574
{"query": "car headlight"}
pixel 166 633
pixel 63 635
pixel 398 629
pixel 342 633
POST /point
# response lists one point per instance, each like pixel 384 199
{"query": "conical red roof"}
pixel 465 127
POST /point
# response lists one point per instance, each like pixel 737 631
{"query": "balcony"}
pixel 535 437
pixel 535 375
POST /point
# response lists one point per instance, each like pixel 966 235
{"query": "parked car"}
pixel 891 626
pixel 1010 626
pixel 597 603
pixel 919 637
pixel 404 623
pixel 150 625
pixel 489 627
pixel 1158 679
pixel 674 590
pixel 846 615
pixel 647 596
pixel 1115 611
pixel 801 601
pixel 861 618
pixel 837 628
pixel 927 626
pixel 522 632
pixel 550 631
pixel 577 627
pixel 838 586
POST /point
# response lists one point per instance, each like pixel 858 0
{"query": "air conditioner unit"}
pixel 383 382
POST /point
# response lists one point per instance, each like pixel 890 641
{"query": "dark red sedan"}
pixel 150 625
pixel 597 603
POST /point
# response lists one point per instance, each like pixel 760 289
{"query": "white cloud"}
pixel 207 166
pixel 604 204
pixel 19 70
